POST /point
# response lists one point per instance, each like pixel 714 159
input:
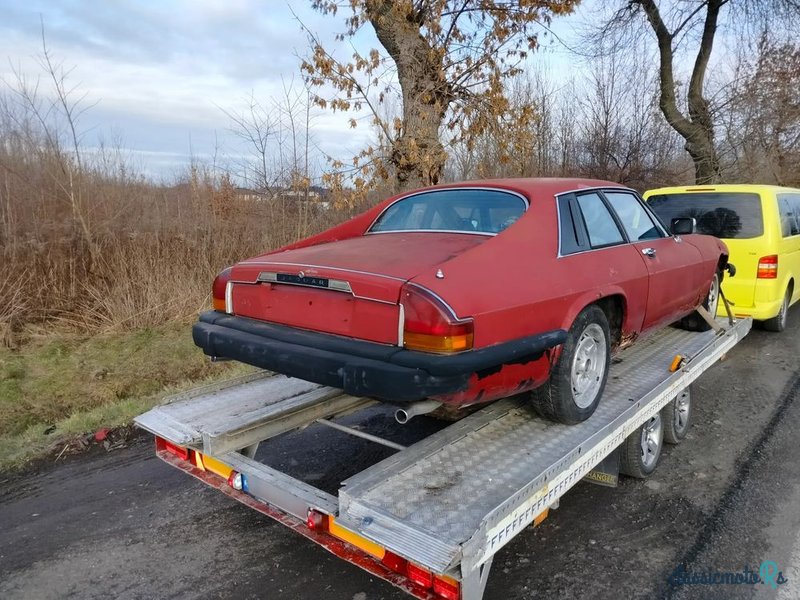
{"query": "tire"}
pixel 778 322
pixel 579 376
pixel 676 417
pixel 694 322
pixel 639 453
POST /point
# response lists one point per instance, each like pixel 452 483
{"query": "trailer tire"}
pixel 579 376
pixel 639 453
pixel 676 416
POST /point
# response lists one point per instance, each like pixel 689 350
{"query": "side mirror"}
pixel 683 226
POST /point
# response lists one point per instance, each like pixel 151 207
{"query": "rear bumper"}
pixel 359 368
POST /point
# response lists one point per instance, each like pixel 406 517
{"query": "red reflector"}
pixel 767 267
pixel 447 588
pixel 420 576
pixel 394 562
pixel 179 451
pixel 317 521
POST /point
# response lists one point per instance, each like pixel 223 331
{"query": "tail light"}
pixel 317 521
pixel 179 451
pixel 768 267
pixel 432 326
pixel 422 577
pixel 219 290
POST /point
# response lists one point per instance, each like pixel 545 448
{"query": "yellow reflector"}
pixel 218 304
pixel 353 538
pixel 541 517
pixel 435 343
pixel 215 466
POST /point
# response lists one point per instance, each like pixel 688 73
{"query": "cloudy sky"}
pixel 163 72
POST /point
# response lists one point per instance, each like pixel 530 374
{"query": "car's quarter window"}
pixel 600 225
pixel 721 214
pixel 789 210
pixel 634 218
pixel 458 210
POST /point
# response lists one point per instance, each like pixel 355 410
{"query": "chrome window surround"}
pixel 462 188
pixel 601 189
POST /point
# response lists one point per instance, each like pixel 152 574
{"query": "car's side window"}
pixel 789 210
pixel 600 225
pixel 638 224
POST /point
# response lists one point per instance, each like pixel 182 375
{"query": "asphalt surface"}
pixel 123 524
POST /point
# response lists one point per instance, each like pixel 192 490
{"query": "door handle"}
pixel 650 252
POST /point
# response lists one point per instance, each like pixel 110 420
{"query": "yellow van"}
pixel 761 226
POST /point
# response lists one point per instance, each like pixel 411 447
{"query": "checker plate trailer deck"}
pixel 430 518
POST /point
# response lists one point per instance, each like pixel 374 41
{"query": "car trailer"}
pixel 430 518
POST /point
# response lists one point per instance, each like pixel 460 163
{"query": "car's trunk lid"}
pixel 349 287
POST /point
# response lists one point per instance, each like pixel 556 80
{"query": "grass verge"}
pixel 61 385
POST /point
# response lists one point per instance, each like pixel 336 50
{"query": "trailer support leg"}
pixel 473 583
pixel 250 451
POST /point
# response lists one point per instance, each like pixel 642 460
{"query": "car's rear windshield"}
pixel 725 215
pixel 458 210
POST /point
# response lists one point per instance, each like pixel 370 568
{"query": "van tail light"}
pixel 219 289
pixel 432 326
pixel 768 267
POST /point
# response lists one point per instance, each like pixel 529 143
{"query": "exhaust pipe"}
pixel 423 407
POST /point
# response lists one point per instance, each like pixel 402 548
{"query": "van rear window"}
pixel 725 215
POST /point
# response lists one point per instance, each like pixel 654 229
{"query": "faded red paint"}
pixel 512 285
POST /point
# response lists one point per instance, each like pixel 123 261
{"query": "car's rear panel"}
pixel 349 287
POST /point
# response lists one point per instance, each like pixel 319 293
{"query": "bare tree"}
pixel 450 59
pixel 691 26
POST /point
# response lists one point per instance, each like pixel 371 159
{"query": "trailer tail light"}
pixel 317 521
pixel 768 267
pixel 238 481
pixel 219 290
pixel 446 588
pixel 179 451
pixel 422 577
pixel 394 562
pixel 432 326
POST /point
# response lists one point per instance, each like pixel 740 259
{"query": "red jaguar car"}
pixel 467 293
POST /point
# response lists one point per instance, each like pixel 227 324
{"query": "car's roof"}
pixel 722 187
pixel 529 186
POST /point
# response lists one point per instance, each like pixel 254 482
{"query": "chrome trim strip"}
pixel 593 189
pixel 288 264
pixel 440 299
pixel 401 324
pixel 484 233
pixel 229 297
pixel 445 189
pixel 336 285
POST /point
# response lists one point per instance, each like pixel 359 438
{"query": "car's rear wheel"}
pixel 778 322
pixel 579 376
pixel 694 322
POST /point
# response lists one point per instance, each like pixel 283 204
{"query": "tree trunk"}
pixel 417 155
pixel 698 128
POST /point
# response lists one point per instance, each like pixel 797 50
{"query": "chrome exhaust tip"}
pixel 423 407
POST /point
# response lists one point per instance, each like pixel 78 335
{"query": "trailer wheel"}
pixel 677 417
pixel 639 453
pixel 578 378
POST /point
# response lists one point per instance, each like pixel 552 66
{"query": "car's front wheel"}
pixel 695 322
pixel 579 376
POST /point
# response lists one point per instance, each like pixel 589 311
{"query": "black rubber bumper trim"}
pixel 359 368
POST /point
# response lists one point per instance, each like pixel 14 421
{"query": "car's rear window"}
pixel 725 215
pixel 459 210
